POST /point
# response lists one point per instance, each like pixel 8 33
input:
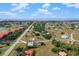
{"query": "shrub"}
pixel 34 53
pixel 19 49
pixel 0 52
pixel 67 47
pixel 47 36
pixel 62 33
pixel 56 43
pixel 37 34
pixel 55 49
pixel 42 44
pixel 8 44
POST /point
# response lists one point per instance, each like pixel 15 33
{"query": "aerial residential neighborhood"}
pixel 39 38
pixel 39 29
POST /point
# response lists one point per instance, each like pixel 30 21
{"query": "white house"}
pixel 65 36
pixel 30 42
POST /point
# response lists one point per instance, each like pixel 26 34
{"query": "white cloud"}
pixel 14 4
pixel 3 12
pixel 40 12
pixel 46 5
pixel 34 15
pixel 13 12
pixel 56 8
pixel 75 5
pixel 19 7
pixel 43 11
pixel 21 11
pixel 7 13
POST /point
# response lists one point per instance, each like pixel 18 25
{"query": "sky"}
pixel 38 10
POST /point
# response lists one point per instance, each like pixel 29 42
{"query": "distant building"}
pixel 30 43
pixel 64 36
pixel 33 43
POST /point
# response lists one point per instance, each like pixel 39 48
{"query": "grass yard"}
pixel 45 50
pixel 3 49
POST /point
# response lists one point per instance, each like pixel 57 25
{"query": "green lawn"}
pixel 4 49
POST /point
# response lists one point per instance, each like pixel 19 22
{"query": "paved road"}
pixel 17 41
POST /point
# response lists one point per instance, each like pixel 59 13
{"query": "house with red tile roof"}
pixel 62 53
pixel 28 52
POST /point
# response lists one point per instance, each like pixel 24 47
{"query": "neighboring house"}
pixel 65 36
pixel 31 42
pixel 28 52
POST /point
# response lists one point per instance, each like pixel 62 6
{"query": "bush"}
pixel 42 44
pixel 56 43
pixel 77 53
pixel 34 53
pixel 8 44
pixel 62 33
pixel 55 50
pixel 19 49
pixel 0 52
pixel 47 36
pixel 37 34
pixel 67 47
